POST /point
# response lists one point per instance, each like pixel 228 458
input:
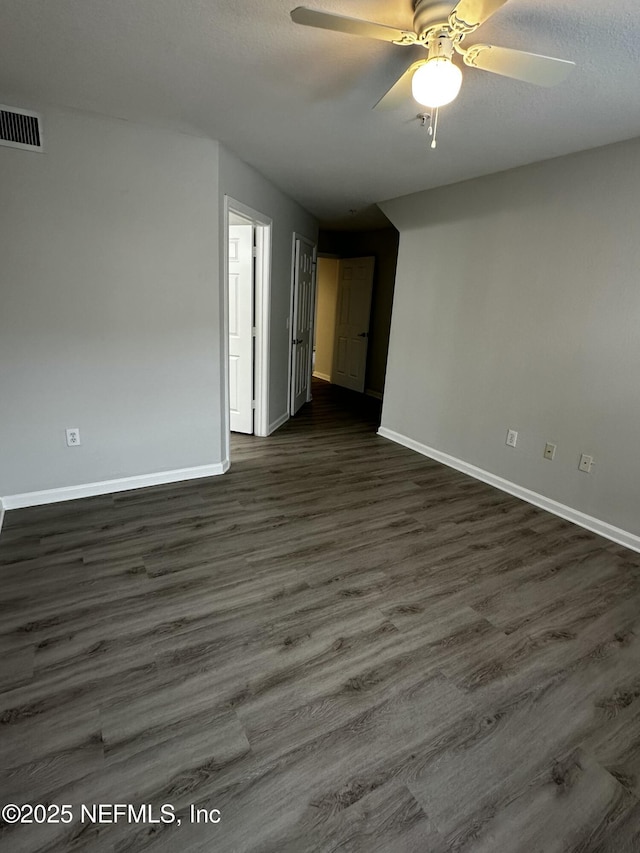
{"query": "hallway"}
pixel 339 645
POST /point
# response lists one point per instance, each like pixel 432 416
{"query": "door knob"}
pixel 297 340
pixel 363 334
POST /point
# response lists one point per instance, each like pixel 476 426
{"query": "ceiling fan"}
pixel 435 81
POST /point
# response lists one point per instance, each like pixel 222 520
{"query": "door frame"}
pixel 303 238
pixel 262 302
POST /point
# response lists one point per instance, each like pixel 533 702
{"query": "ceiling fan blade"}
pixel 469 14
pixel 518 64
pixel 353 26
pixel 400 92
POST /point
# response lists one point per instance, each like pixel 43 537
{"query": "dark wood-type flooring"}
pixel 340 645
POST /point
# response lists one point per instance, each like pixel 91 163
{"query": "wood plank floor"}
pixel 340 645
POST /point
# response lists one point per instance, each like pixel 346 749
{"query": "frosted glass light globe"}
pixel 437 82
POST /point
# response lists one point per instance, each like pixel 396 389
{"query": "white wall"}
pixel 246 185
pixel 517 304
pixel 109 304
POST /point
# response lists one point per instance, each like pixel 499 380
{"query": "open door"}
pixel 302 325
pixel 355 286
pixel 241 298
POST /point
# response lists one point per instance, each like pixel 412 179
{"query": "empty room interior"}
pixel 319 422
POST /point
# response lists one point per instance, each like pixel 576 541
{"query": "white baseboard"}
pixel 324 376
pixel 278 423
pixel 595 525
pixel 107 487
pixel 1 515
pixel 371 393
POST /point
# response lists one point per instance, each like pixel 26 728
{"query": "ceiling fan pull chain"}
pixel 434 121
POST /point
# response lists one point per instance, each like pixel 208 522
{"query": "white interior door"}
pixel 302 325
pixel 355 286
pixel 241 328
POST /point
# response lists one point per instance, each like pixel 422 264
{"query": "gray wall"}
pixel 109 303
pixel 517 304
pixel 245 185
pixel 382 244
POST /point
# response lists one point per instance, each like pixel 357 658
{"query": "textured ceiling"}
pixel 296 102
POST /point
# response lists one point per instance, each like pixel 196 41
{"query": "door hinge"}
pixel 253 404
pixel 255 251
pixel 254 331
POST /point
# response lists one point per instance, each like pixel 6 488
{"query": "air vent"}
pixel 20 129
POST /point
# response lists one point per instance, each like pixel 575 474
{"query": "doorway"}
pixel 333 247
pixel 345 288
pixel 247 272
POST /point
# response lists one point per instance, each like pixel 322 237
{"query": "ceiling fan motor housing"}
pixel 429 14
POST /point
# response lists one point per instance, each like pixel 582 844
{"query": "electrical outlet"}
pixel 73 437
pixel 585 463
pixel 549 450
pixel 512 437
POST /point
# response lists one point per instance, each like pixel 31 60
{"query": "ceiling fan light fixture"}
pixel 437 82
